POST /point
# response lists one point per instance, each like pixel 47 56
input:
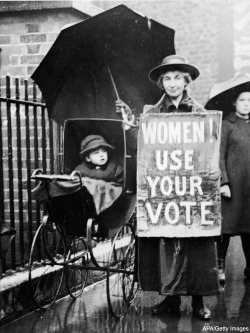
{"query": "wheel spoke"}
pixel 76 276
pixel 121 285
pixel 45 277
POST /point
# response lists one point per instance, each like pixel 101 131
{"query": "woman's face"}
pixel 174 83
pixel 242 104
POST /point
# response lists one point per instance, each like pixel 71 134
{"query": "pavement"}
pixel 89 313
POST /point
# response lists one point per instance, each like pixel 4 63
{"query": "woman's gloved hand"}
pixel 121 107
pixel 225 191
pixel 126 113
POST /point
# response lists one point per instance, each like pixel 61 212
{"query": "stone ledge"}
pixel 86 8
pixel 16 299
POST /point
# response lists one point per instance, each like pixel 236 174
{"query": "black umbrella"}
pixel 74 76
pixel 222 94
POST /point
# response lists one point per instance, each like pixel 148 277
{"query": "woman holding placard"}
pixel 176 266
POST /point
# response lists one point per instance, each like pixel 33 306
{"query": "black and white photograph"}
pixel 125 166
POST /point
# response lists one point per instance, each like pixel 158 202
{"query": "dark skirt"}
pixel 184 266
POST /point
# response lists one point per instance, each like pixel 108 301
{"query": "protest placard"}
pixel 178 175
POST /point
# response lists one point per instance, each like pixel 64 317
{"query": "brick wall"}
pixel 212 34
pixel 242 36
pixel 25 37
pixel 203 34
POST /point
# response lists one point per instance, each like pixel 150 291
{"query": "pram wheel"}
pixel 54 240
pixel 96 255
pixel 121 273
pixel 76 275
pixel 45 277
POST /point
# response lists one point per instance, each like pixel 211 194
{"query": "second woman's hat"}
pixel 173 62
pixel 223 94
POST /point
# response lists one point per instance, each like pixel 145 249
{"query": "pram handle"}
pixel 39 175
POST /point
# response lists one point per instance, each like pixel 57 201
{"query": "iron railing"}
pixel 28 140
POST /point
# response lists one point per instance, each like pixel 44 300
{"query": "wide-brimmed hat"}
pixel 92 142
pixel 223 94
pixel 173 62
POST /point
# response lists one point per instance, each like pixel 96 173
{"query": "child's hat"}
pixel 92 142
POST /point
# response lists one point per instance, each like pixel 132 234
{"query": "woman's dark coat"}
pixel 190 271
pixel 235 168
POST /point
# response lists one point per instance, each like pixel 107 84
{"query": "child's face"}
pixel 98 156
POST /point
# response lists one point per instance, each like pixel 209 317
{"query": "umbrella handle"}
pixel 129 118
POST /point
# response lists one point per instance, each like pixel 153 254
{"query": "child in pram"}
pixel 97 162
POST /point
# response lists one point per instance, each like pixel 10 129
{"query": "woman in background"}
pixel 235 182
